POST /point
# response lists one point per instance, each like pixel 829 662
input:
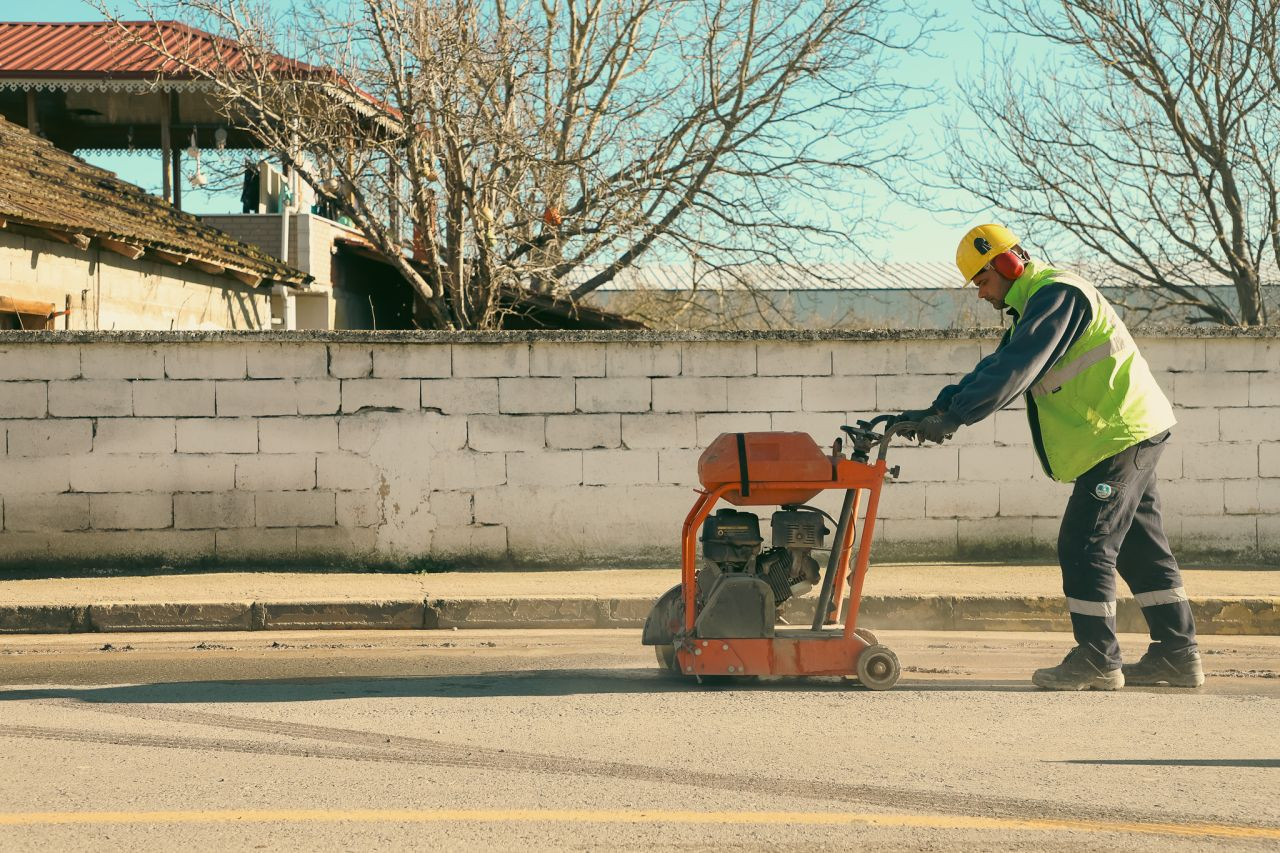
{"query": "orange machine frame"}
pixel 789 652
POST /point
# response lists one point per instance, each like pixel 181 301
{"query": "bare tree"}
pixel 1148 130
pixel 523 140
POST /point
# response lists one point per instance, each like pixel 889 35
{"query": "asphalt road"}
pixel 574 740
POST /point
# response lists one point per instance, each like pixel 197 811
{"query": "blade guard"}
pixel 754 460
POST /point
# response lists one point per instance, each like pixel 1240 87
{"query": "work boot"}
pixel 1078 672
pixel 1182 669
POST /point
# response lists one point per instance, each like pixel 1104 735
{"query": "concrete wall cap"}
pixel 586 336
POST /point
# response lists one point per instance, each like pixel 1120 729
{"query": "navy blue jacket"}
pixel 1053 319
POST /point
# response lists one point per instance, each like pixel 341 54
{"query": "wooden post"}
pixel 177 153
pixel 166 145
pixel 33 119
pixel 177 177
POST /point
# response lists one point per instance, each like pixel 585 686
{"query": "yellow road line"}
pixel 638 816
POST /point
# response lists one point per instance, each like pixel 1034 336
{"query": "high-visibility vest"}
pixel 1099 398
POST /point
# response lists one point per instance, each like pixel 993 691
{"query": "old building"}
pixel 82 249
pixel 135 86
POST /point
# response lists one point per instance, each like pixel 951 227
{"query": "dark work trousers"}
pixel 1112 524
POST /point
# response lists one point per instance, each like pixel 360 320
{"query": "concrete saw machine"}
pixel 722 618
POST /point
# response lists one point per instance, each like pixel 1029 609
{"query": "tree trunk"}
pixel 1249 292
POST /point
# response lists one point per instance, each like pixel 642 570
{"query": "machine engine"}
pixel 731 544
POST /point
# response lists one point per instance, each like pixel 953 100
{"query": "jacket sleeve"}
pixel 1054 318
pixel 945 396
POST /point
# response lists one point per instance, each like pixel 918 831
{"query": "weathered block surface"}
pixel 24 399
pixel 213 509
pixel 411 362
pixel 169 399
pixel 50 437
pixel 103 398
pixel 570 449
pixel 625 394
pixel 337 615
pixel 133 616
pixel 583 431
pixel 130 512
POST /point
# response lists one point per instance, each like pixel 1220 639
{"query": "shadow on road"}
pixel 1179 762
pixel 551 682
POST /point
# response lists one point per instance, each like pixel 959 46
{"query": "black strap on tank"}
pixel 745 488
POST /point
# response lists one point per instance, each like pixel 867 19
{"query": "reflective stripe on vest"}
pixel 1099 398
pixel 1117 345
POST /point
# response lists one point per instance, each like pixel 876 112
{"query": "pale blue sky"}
pixel 911 234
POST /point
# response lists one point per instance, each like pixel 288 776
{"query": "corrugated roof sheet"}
pixel 102 49
pixel 45 187
pixel 831 276
pixel 935 275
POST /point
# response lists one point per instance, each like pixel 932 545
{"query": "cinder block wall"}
pixel 574 449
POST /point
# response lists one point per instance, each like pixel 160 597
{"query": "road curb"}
pixel 43 619
pixel 549 612
pixel 1239 615
pixel 339 615
pixel 190 616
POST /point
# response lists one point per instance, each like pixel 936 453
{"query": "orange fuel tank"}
pixel 770 457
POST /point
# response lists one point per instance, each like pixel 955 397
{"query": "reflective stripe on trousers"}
pixel 1160 596
pixel 1105 609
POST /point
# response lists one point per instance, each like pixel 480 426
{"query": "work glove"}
pixel 937 428
pixel 914 416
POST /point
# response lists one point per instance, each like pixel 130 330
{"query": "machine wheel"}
pixel 878 668
pixel 865 634
pixel 667 661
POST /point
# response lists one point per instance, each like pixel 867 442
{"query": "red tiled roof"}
pixel 102 49
pixel 44 187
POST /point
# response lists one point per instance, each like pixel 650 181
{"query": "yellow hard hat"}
pixel 980 245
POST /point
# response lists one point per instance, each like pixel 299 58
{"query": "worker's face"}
pixel 992 287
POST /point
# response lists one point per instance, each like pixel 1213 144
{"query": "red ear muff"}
pixel 1008 265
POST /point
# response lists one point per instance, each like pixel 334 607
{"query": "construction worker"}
pixel 1098 419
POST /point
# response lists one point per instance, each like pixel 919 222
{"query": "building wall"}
pixel 550 449
pixel 315 234
pixel 338 298
pixel 256 229
pixel 108 291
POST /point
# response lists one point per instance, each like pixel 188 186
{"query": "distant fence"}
pixel 565 449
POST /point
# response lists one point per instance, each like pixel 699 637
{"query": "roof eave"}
pixel 158 251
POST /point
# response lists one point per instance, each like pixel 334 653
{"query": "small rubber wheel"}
pixel 878 668
pixel 866 635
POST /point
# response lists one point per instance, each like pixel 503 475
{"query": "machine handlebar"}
pixel 893 429
pixel 864 435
